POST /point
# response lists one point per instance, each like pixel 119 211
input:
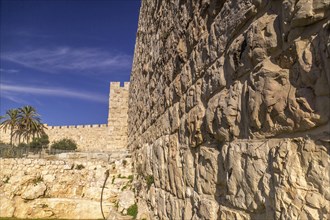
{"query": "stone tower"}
pixel 117 119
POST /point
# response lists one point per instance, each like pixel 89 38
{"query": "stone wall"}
pixel 68 188
pixel 87 137
pixel 98 137
pixel 229 109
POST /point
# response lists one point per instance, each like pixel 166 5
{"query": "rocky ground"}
pixel 68 188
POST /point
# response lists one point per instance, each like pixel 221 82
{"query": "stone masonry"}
pixel 87 137
pixel 117 120
pixel 229 109
pixel 98 137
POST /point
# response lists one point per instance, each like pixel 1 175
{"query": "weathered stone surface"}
pixel 34 191
pixel 126 199
pixel 40 188
pixel 229 109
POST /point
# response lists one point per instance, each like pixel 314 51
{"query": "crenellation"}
pixel 126 85
pixel 77 126
pixel 114 85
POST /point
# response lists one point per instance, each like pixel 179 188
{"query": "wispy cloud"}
pixel 31 33
pixel 8 70
pixel 56 60
pixel 59 92
pixel 13 97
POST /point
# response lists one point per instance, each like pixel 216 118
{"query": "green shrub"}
pixel 64 144
pixel 40 142
pixel 133 210
pixel 22 145
pixel 3 144
pixel 150 181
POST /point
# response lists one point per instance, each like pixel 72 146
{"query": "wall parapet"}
pixel 77 126
pixel 114 85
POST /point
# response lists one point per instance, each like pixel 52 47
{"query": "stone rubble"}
pixel 66 188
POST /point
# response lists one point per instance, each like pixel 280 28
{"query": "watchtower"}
pixel 117 119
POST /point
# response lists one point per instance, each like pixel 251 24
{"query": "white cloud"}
pixel 60 92
pixel 9 70
pixel 12 97
pixel 60 59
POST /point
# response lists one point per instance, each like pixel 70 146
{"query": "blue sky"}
pixel 60 56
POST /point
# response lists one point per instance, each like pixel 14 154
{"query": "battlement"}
pixel 77 126
pixel 116 85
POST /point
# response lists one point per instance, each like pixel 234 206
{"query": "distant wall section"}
pixel 87 137
pixel 98 137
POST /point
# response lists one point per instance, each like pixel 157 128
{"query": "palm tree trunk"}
pixel 11 137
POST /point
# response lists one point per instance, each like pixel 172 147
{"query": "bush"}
pixel 39 143
pixel 133 210
pixel 8 151
pixel 22 145
pixel 64 144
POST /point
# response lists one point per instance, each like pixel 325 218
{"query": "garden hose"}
pixel 105 181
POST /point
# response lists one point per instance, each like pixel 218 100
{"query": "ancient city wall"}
pixel 87 137
pixel 98 137
pixel 66 188
pixel 229 109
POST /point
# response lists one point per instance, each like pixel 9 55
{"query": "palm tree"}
pixel 10 122
pixel 30 123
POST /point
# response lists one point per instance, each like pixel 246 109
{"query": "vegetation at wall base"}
pixel 64 144
pixel 133 210
pixel 22 149
pixel 39 142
